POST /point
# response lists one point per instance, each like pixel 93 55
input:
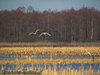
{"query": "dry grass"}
pixel 70 71
pixel 79 51
pixel 68 61
pixel 51 50
pixel 46 51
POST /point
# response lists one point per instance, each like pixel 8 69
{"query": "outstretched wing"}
pixel 30 33
pixel 37 31
pixel 40 35
pixel 44 33
pixel 48 34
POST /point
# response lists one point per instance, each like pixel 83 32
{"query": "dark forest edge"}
pixel 67 26
pixel 48 44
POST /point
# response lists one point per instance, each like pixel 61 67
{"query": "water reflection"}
pixel 32 68
pixel 57 67
pixel 23 57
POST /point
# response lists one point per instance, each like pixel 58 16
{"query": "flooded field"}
pixel 75 60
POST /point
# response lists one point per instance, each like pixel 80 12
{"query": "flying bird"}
pixel 34 33
pixel 44 33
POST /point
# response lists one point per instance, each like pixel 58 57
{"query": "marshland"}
pixel 50 59
pixel 49 37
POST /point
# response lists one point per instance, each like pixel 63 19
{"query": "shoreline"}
pixel 48 44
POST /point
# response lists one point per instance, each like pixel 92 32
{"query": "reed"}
pixel 67 71
pixel 67 61
pixel 54 51
pixel 50 50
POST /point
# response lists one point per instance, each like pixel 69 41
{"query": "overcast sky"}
pixel 49 4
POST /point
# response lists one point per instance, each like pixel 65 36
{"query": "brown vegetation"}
pixel 47 51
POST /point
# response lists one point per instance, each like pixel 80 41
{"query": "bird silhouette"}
pixel 44 33
pixel 34 33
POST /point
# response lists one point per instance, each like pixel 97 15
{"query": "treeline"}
pixel 81 25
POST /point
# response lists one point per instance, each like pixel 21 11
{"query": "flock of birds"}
pixel 41 34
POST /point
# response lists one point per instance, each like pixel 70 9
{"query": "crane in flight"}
pixel 44 33
pixel 34 33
